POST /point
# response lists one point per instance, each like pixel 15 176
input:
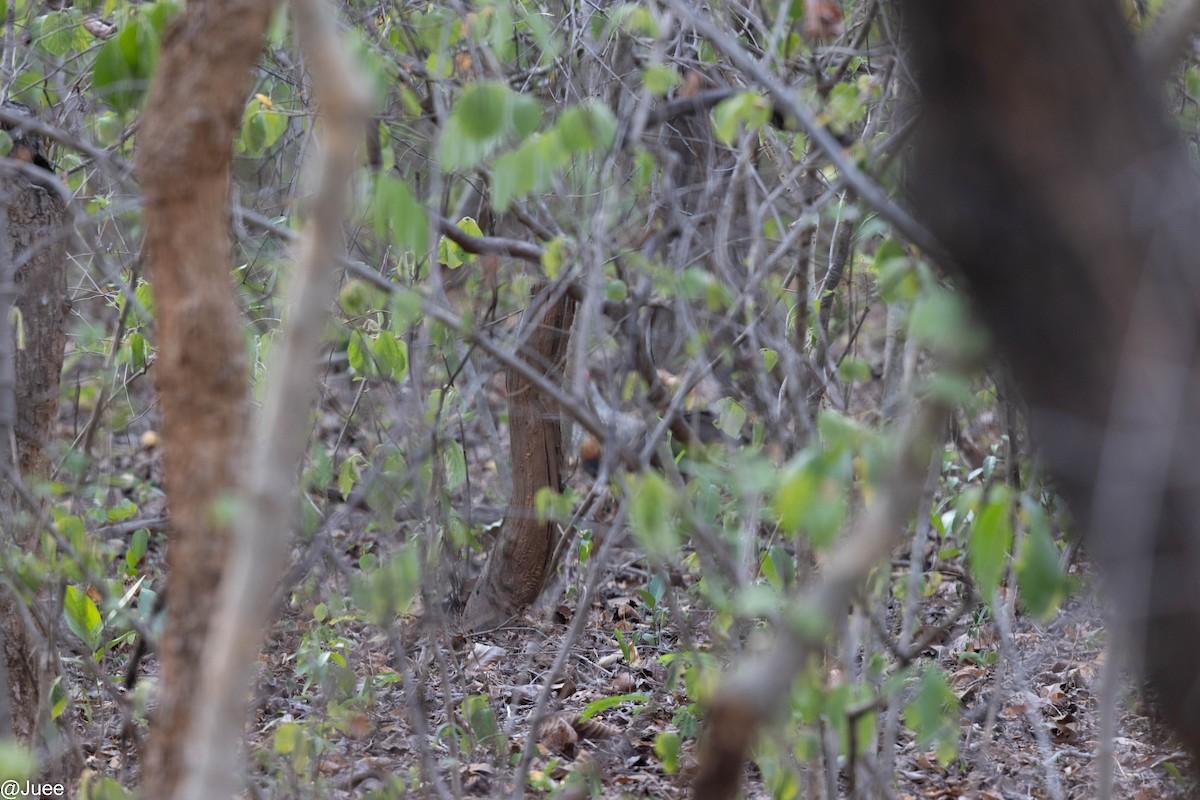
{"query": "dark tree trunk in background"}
pixel 35 249
pixel 37 245
pixel 518 565
pixel 1046 165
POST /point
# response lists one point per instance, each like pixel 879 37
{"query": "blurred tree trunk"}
pixel 518 565
pixel 185 150
pixel 35 257
pixel 1046 165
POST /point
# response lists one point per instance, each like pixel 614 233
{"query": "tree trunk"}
pixel 519 564
pixel 185 150
pixel 35 250
pixel 1046 165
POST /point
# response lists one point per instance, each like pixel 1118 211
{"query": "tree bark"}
pixel 1046 165
pixel 37 247
pixel 263 532
pixel 185 150
pixel 35 251
pixel 519 564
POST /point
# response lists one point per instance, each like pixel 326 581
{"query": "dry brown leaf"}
pixel 558 735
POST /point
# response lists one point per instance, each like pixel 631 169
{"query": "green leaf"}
pixel 812 497
pixel 1040 579
pixel 933 715
pixel 732 417
pixel 139 544
pixel 553 256
pixel 855 370
pixel 137 351
pixel 587 127
pixel 482 109
pixel 991 541
pixel 125 63
pixel 391 355
pixel 451 254
pixel 660 80
pixel 58 698
pixel 82 617
pixel 287 738
pixel 359 354
pixel 123 510
pixel 348 474
pixel 845 107
pixel 481 721
pixel 526 115
pixel 778 567
pixel 635 20
pixel 605 703
pixel 667 745
pixel 456 465
pixel 391 588
pixel 769 359
pixel 651 513
pixel 406 307
pixel 746 109
pixel 897 278
pixel 399 216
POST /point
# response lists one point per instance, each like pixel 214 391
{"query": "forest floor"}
pixel 1029 722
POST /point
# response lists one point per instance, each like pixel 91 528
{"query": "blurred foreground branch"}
pixel 751 697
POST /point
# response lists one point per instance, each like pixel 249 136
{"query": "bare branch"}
pixel 784 98
pixel 751 696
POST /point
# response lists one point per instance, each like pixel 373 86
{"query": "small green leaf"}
pixel 348 474
pixel 855 370
pixel 1040 579
pixel 399 215
pixel 406 307
pixel 660 80
pixel 82 617
pixel 456 465
pixel 587 127
pixel 769 359
pixel 933 715
pixel 391 588
pixel 137 351
pixel 482 109
pixel 450 254
pixel 359 354
pixel 651 512
pixel 745 109
pixel 605 703
pixel 481 721
pixel 391 355
pixel 667 745
pixel 526 115
pixel 553 256
pixel 616 290
pixel 58 698
pixel 991 541
pixel 139 543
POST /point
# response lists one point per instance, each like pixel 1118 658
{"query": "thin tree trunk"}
pixel 1047 167
pixel 185 152
pixel 264 529
pixel 519 564
pixel 35 261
